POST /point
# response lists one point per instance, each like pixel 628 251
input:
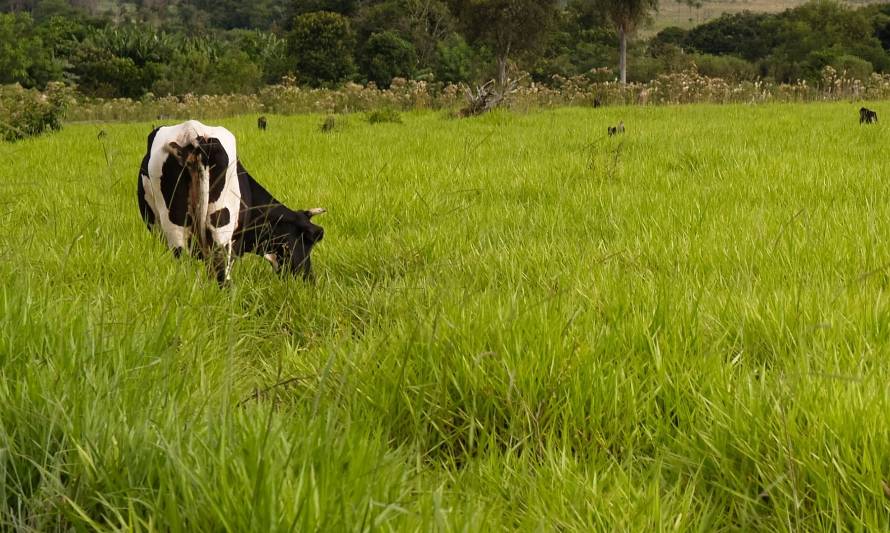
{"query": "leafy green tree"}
pixel 454 59
pixel 880 17
pixel 14 58
pixel 747 35
pixel 46 9
pixel 265 49
pixel 342 7
pixel 64 34
pixel 672 35
pixel 24 58
pixel 230 14
pixel 820 33
pixel 99 72
pixel 507 27
pixel 321 46
pixel 186 72
pixel 424 23
pixel 234 72
pixel 385 56
pixel 581 40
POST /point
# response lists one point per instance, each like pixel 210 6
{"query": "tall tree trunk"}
pixel 622 59
pixel 502 72
pixel 502 68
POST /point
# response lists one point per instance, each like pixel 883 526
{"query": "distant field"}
pixel 672 13
pixel 519 323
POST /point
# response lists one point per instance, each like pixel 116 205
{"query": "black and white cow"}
pixel 192 185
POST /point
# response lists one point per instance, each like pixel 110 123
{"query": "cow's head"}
pixel 296 235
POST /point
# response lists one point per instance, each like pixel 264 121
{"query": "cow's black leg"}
pixel 308 274
pixel 221 277
pixel 219 263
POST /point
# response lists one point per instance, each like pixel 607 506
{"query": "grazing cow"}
pixel 615 130
pixel 596 102
pixel 261 123
pixel 192 185
pixel 867 116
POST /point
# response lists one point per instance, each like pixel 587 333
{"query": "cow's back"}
pixel 164 185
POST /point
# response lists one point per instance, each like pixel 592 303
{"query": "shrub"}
pixel 321 46
pixel 728 67
pixel 27 112
pixel 672 35
pixel 385 115
pixel 854 66
pixel 684 86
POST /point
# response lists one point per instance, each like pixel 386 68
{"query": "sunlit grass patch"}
pixel 518 322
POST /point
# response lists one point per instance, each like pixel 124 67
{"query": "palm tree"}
pixel 626 15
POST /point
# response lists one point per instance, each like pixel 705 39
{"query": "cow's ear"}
pixel 176 151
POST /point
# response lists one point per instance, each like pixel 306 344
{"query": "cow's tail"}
pixel 199 201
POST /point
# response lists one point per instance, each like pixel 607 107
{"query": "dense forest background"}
pixel 163 47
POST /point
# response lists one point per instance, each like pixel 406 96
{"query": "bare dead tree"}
pixel 487 97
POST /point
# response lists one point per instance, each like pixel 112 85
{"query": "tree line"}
pixel 129 49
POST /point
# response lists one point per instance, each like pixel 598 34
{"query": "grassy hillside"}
pixel 518 323
pixel 673 13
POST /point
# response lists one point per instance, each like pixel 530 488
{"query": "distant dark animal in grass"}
pixel 615 130
pixel 867 116
pixel 597 103
pixel 328 124
pixel 101 135
pixel 261 123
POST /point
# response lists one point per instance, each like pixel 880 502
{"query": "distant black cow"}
pixel 867 116
pixel 597 102
pixel 192 185
pixel 261 123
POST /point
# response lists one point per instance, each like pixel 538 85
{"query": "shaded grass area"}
pixel 518 323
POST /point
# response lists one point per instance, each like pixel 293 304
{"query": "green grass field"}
pixel 518 324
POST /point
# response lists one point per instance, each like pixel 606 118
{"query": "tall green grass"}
pixel 518 323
